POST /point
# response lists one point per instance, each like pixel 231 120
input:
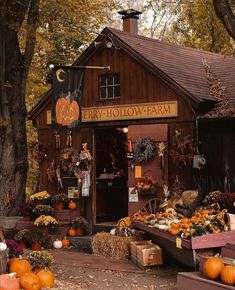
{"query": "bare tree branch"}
pixel 224 12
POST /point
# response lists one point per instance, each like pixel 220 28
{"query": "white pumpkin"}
pixel 57 244
pixel 3 247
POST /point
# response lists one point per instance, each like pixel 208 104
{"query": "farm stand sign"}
pixel 126 112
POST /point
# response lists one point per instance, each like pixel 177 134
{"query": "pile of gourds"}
pixel 163 220
pixel 203 221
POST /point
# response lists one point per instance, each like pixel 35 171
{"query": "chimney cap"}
pixel 129 13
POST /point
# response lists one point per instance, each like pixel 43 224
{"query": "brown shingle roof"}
pixel 183 65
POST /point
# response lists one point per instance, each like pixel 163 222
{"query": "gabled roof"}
pixel 181 67
pixel 182 64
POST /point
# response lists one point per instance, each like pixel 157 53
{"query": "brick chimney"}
pixel 130 20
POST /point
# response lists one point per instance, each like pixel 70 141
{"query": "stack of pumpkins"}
pixel 22 277
pixel 214 269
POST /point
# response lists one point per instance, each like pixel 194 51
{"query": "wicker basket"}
pixel 152 190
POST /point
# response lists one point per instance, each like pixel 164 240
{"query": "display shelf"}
pixel 185 250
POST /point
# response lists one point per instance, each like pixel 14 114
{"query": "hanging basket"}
pixel 147 185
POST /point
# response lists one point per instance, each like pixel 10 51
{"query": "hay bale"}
pixel 105 244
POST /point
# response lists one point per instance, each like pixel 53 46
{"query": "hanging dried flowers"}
pixel 182 149
pixel 144 150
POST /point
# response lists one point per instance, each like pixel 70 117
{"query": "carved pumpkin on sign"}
pixel 66 111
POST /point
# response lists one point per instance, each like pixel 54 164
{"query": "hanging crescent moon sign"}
pixel 58 73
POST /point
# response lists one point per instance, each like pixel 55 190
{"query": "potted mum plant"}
pixel 15 249
pixel 41 197
pixel 35 239
pixel 25 209
pixel 80 224
pixel 20 238
pixel 45 222
pixel 40 260
pixel 43 210
pixel 59 201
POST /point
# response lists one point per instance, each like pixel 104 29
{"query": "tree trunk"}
pixel 225 14
pixel 13 74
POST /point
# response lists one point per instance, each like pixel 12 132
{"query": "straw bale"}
pixel 105 244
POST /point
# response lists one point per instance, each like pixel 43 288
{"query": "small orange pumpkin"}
pixel 72 232
pixel 30 281
pixel 174 231
pixel 65 242
pixel 47 278
pixel 80 232
pixel 38 269
pixel 213 267
pixel 11 260
pixel 228 275
pixel 72 205
pixel 59 205
pixel 8 283
pixel 20 267
pixel 36 246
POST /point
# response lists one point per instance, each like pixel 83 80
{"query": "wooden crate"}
pixel 133 248
pixel 149 255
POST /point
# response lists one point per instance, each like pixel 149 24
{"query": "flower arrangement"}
pixel 45 221
pixel 25 208
pixel 61 197
pixel 147 185
pixel 40 259
pixel 43 210
pixel 39 196
pixel 79 222
pixel 35 236
pixel 14 249
pixel 21 235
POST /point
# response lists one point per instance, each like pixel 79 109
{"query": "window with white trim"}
pixel 109 86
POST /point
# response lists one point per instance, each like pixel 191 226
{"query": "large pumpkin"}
pixel 66 111
pixel 213 267
pixel 228 275
pixel 20 267
pixel 8 283
pixel 30 281
pixel 47 278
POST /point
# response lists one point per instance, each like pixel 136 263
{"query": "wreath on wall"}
pixel 144 150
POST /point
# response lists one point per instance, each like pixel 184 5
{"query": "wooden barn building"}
pixel 179 98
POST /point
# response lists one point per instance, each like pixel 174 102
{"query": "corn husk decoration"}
pixel 161 152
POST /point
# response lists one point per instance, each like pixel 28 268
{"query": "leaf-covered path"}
pixel 75 271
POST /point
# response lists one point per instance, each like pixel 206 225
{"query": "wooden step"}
pixel 67 214
pixel 195 281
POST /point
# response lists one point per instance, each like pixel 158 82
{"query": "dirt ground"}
pixel 79 271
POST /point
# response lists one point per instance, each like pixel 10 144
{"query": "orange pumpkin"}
pixel 80 232
pixel 11 260
pixel 66 111
pixel 47 278
pixel 65 242
pixel 36 246
pixel 8 283
pixel 213 267
pixel 72 205
pixel 174 231
pixel 30 281
pixel 38 269
pixel 59 205
pixel 228 275
pixel 72 232
pixel 20 267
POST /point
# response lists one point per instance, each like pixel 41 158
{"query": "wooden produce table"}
pixel 185 250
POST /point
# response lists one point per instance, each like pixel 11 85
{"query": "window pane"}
pixel 103 93
pixel 110 92
pixel 117 91
pixel 102 80
pixel 110 80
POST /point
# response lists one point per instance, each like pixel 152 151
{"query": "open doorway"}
pixel 111 174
